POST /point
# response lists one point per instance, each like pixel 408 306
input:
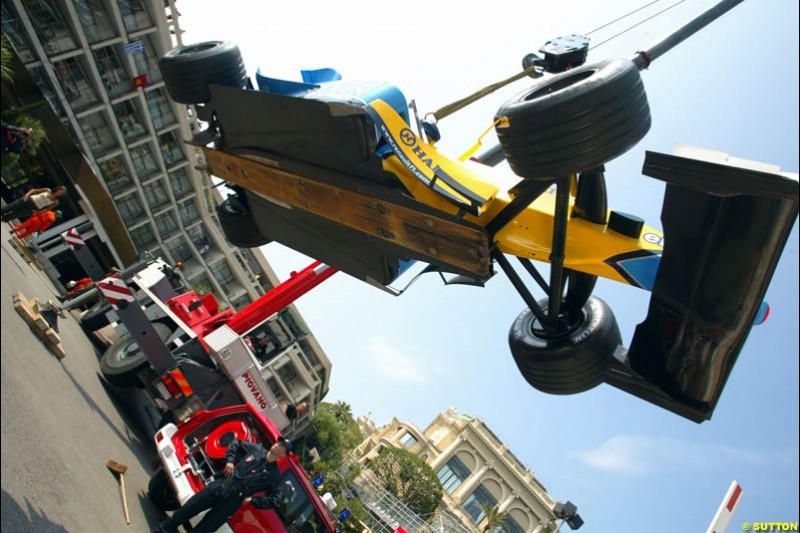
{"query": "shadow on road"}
pixel 16 519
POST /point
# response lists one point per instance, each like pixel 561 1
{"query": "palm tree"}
pixel 494 518
pixel 5 59
pixel 342 411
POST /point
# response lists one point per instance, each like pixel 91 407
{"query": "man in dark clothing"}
pixel 249 468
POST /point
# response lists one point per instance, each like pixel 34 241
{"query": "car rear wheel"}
pixel 569 362
pixel 239 225
pixel 574 121
pixel 189 70
pixel 123 360
pixel 161 493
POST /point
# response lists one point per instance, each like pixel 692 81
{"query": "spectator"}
pixel 14 138
pixel 33 201
pixel 292 411
pixel 37 222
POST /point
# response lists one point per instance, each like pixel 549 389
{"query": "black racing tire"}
pixel 161 493
pixel 572 362
pixel 189 70
pixel 574 121
pixel 123 360
pixel 239 225
pixel 95 318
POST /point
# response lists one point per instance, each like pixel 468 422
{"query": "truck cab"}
pixel 192 453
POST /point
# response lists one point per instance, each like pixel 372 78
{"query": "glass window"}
pixel 241 302
pixel 287 373
pixel 189 214
pixel 179 249
pixel 15 33
pixel 165 222
pixel 170 148
pixel 156 193
pixel 95 20
pixel 43 82
pixel 143 237
pixel 476 503
pixel 511 526
pixel 147 62
pixel 160 108
pixel 452 474
pixel 97 133
pixel 135 15
pixel 181 184
pixel 272 383
pixel 129 120
pixel 130 207
pixel 50 26
pixel 114 174
pixel 143 161
pixel 79 92
pixel 222 271
pixel 408 440
pixel 116 80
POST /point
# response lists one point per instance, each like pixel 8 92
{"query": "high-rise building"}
pixel 96 63
pixel 477 472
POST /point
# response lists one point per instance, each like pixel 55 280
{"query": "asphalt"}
pixel 61 423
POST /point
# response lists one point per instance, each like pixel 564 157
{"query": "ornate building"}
pixel 476 469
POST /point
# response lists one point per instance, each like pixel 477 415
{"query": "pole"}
pixel 643 59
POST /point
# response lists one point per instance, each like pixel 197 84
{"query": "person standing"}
pixel 249 468
pixel 37 222
pixel 33 201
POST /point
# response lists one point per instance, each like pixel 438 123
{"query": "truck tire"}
pixel 189 70
pixel 238 224
pixel 161 493
pixel 574 121
pixel 572 362
pixel 123 360
pixel 95 318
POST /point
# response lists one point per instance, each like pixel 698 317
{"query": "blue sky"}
pixel 628 465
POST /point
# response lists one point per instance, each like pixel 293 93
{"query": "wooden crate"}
pixel 29 310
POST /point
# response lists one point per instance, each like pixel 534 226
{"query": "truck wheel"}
pixel 188 70
pixel 571 362
pixel 161 493
pixel 95 318
pixel 574 121
pixel 124 360
pixel 239 225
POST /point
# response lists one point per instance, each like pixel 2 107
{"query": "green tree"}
pixel 5 59
pixel 494 518
pixel 342 411
pixel 408 478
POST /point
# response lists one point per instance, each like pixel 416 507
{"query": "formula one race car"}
pixel 336 171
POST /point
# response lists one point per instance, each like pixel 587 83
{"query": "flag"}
pixel 140 81
pixel 134 47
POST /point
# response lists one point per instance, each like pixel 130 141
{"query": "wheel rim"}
pixel 129 352
pixel 538 330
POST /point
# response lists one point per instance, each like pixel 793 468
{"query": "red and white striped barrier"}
pixel 115 290
pixel 73 239
pixel 726 509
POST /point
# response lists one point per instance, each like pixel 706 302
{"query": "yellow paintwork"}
pixel 530 234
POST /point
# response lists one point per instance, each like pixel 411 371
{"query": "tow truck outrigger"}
pixel 329 168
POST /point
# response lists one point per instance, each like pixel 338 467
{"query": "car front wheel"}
pixel 571 361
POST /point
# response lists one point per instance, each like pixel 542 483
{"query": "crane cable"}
pixel 451 108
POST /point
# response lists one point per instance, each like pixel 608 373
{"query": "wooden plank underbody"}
pixel 421 233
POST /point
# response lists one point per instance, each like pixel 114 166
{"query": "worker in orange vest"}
pixel 37 222
pixel 77 286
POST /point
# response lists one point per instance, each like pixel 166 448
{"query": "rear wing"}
pixel 726 222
